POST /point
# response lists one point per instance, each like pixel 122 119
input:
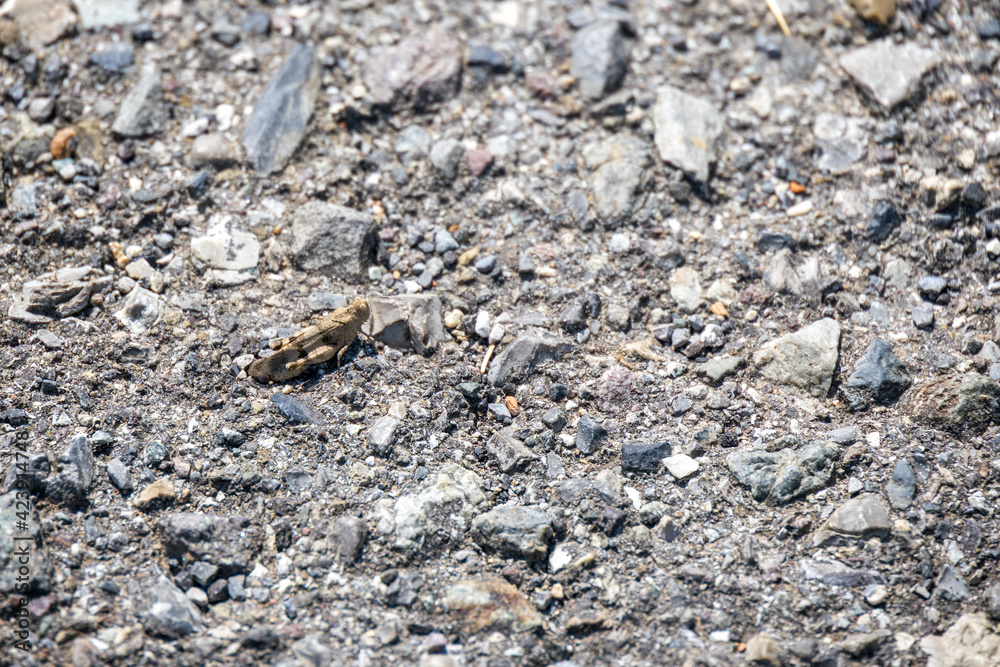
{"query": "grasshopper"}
pixel 329 337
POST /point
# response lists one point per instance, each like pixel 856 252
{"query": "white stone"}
pixel 685 289
pixel 681 465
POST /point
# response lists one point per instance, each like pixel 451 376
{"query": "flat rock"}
pixel 229 542
pixel 142 113
pixel 510 452
pixel 119 475
pixel 805 359
pixel 600 58
pixel 282 113
pixel 972 640
pixel 644 457
pixel 515 531
pixel 889 72
pixel 835 573
pixel 681 465
pixel 718 369
pixel 41 22
pixel 879 377
pixel 859 518
pixel 787 474
pixel 902 486
pixel 382 434
pixel 166 611
pixel 159 492
pixel 412 321
pixel 521 357
pixel 589 435
pixel 349 534
pixel 225 248
pixel 101 13
pixel 419 72
pixel 950 585
pixel 491 604
pixel 296 411
pixel 686 130
pixel 52 296
pixel 619 173
pixel 685 288
pixel 332 240
pixel 212 150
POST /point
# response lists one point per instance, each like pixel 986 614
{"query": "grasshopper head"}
pixel 361 305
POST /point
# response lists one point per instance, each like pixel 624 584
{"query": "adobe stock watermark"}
pixel 23 543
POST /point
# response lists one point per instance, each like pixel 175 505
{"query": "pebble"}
pixel 522 532
pixel 878 377
pixel 520 357
pixel 923 316
pixel 294 410
pixel 889 72
pixel 681 465
pixel 883 220
pixel 589 435
pixel 644 457
pixel 600 59
pixel 784 475
pixel 332 240
pixel 142 113
pixel 686 130
pixel 805 359
pixel 486 264
pixel 902 487
pixel 419 72
pixel 685 288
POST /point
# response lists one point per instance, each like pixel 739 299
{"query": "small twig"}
pixel 486 359
pixel 776 10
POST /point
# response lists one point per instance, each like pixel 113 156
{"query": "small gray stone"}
pixel 844 436
pixel 878 377
pixel 520 358
pixel 382 434
pixel 297 480
pixel 411 321
pixel 619 173
pixel 446 156
pixel 923 316
pixel 835 573
pixel 784 475
pixel 600 58
pixel 142 112
pixel 486 264
pixel 281 114
pixel 887 71
pixel 229 542
pixel 349 535
pixel 686 130
pixel 412 143
pixel 444 241
pixel 140 311
pixel 644 457
pixel 858 519
pixel 950 585
pixel 554 419
pixel 500 411
pixel 806 358
pixel 419 72
pixel 718 369
pixel 166 611
pixel 119 475
pixel 509 451
pixel 515 531
pixel 903 486
pixel 992 596
pixel 115 59
pixel 332 240
pixel 589 435
pixel 295 410
pixel 212 150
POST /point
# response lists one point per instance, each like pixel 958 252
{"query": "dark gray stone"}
pixel 231 543
pixel 281 114
pixel 486 264
pixel 589 435
pixel 884 219
pixel 600 59
pixel 402 592
pixel 520 358
pixel 295 410
pixel 902 487
pixel 554 419
pixel 844 436
pixel 332 240
pixel 40 567
pixel 574 317
pixel 30 473
pixel 116 59
pixel 204 573
pixel 261 636
pixel 515 531
pixel 218 591
pixel 419 72
pixel 500 411
pixel 879 377
pixel 785 475
pixel 349 535
pixel 950 585
pixel 166 611
pixel 142 113
pixel 76 472
pixel 645 457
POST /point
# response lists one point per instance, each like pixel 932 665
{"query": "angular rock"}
pixel 950 585
pixel 889 72
pixel 349 534
pixel 971 640
pixel 835 573
pixel 382 434
pixel 28 476
pixel 212 150
pixel 644 457
pixel 115 59
pixel 281 114
pixel 884 219
pixel 23 530
pixel 142 113
pixel 160 492
pixel 521 357
pixel 762 648
pixel 902 487
pixel 140 311
pixel 574 318
pixel 805 359
pixel 52 296
pixel 296 411
pixel 681 465
pixel 619 172
pixel 222 248
pixel 600 58
pixel 332 240
pixel 718 369
pixel 686 130
pixel 509 451
pixel 963 404
pixel 229 542
pixel 589 435
pixel 101 13
pixel 785 475
pixel 412 321
pixel 685 289
pixel 119 476
pixel 491 604
pixel 419 72
pixel 858 519
pixel 76 472
pixel 879 377
pixel 421 521
pixel 842 140
pixel 166 611
pixel 41 22
pixel 446 156
pixel 515 531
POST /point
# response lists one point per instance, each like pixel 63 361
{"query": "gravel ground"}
pixel 682 350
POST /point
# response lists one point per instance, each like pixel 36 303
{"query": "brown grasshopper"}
pixel 330 336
